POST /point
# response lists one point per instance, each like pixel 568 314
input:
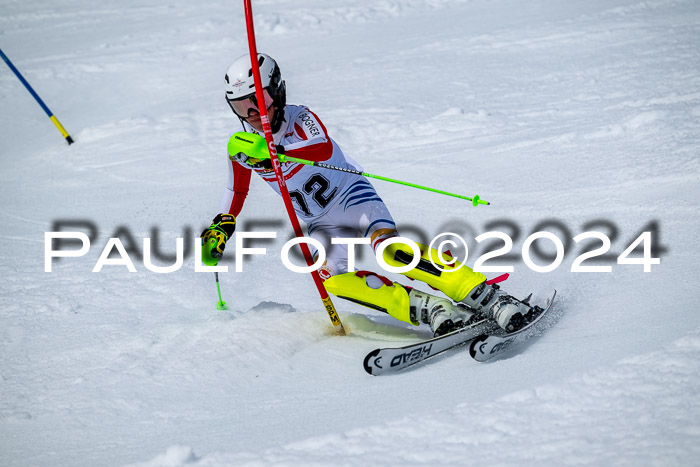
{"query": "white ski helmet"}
pixel 240 85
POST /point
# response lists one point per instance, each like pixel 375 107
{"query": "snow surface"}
pixel 575 111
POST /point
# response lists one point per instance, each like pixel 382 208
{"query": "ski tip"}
pixel 368 359
pixel 475 342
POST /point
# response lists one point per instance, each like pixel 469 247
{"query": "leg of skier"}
pixel 461 284
pixel 359 210
pixel 474 297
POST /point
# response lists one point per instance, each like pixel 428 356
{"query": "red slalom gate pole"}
pixel 325 298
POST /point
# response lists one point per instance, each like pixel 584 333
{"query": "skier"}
pixel 338 204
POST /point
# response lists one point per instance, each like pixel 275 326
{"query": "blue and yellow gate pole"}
pixel 38 99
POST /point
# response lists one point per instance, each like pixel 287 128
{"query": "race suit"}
pixel 332 203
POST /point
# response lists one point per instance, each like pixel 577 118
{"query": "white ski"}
pixel 492 338
pixel 488 346
pixel 391 359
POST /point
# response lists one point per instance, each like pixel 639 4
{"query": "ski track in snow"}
pixel 604 404
pixel 582 112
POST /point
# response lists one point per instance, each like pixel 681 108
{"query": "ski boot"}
pixel 403 303
pixel 441 314
pixel 510 313
pixel 463 285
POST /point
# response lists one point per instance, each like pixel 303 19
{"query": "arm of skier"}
pixel 315 144
pixel 236 190
pixel 215 236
